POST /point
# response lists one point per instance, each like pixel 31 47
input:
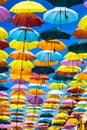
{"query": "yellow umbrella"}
pixel 36 91
pixel 50 105
pixel 53 96
pixel 59 121
pixel 17 105
pixel 62 115
pixel 31 119
pixel 48 63
pixel 73 121
pixel 52 45
pixel 82 55
pixel 4 102
pixel 20 63
pixel 54 128
pixel 4 118
pixel 57 86
pixel 18 97
pixel 27 6
pixel 20 45
pixel 78 83
pixel 32 111
pixel 3 34
pixel 72 56
pixel 3 55
pixel 83 22
pixel 64 68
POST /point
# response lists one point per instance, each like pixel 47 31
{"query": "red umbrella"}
pixel 27 19
pixel 3 44
pixel 75 90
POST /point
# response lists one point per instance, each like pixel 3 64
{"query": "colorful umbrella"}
pixel 55 92
pixel 65 3
pixel 57 85
pixel 26 19
pixel 72 56
pixel 20 72
pixel 83 22
pixel 79 109
pixel 34 99
pixel 62 78
pixel 24 34
pixel 69 126
pixel 24 7
pixel 52 100
pixel 45 63
pixel 54 33
pixel 3 1
pixel 3 55
pixel 78 83
pixel 73 121
pixel 19 86
pixel 3 63
pixel 36 91
pixel 69 101
pixel 75 90
pixel 39 86
pixel 3 34
pixel 3 44
pixel 60 15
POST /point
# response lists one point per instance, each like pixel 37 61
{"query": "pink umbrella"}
pixel 84 71
pixel 69 101
pixel 18 81
pixel 4 14
pixel 69 126
pixel 4 126
pixel 19 86
pixel 30 122
pixel 3 94
pixel 34 99
pixel 73 62
pixel 32 115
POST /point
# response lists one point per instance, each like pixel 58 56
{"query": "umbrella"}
pixel 4 69
pixel 48 56
pixel 62 78
pixel 24 7
pixel 75 90
pixel 18 92
pixel 3 63
pixel 73 62
pixel 50 105
pixel 78 83
pixel 4 14
pixel 82 104
pixel 55 92
pixel 65 3
pixel 17 101
pixel 17 81
pixel 44 120
pixel 3 55
pixel 62 115
pixel 39 86
pixel 54 33
pixel 69 101
pixel 26 19
pixel 52 100
pixel 3 44
pixel 34 99
pixel 16 97
pixel 78 48
pixel 19 109
pixel 81 76
pixel 3 76
pixel 3 1
pixel 83 22
pixel 73 121
pixel 80 33
pixel 3 34
pixel 19 87
pixel 20 45
pixel 25 64
pixel 85 4
pixel 69 126
pixel 45 63
pixel 2 87
pixel 57 85
pixel 42 70
pixel 36 91
pixel 53 45
pixel 79 109
pixel 84 94
pixel 72 56
pixel 32 115
pixel 60 15
pixel 20 72
pixel 47 110
pixel 22 55
pixel 24 34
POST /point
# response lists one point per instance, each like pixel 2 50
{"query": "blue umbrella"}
pixel 24 34
pixel 2 87
pixel 46 115
pixel 16 110
pixel 47 56
pixel 39 86
pixel 84 94
pixel 17 117
pixel 47 110
pixel 79 109
pixel 3 76
pixel 60 15
pixel 44 120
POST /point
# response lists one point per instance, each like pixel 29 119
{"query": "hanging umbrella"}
pixel 73 121
pixel 24 34
pixel 42 70
pixel 34 99
pixel 4 69
pixel 20 45
pixel 80 33
pixel 3 63
pixel 2 87
pixel 3 44
pixel 17 71
pixel 79 109
pixel 62 78
pixel 16 97
pixel 73 62
pixel 54 33
pixel 69 126
pixel 75 90
pixel 45 63
pixel 3 1
pixel 47 110
pixel 83 22
pixel 69 101
pixel 48 56
pixel 50 105
pixel 62 115
pixel 52 100
pixel 52 92
pixel 36 91
pixel 84 94
pixel 3 34
pixel 65 3
pixel 17 81
pixel 18 92
pixel 39 86
pixel 53 45
pixel 24 7
pixel 57 85
pixel 60 15
pixel 26 19
pixel 44 120
pixel 19 87
pixel 81 76
pixel 72 56
pixel 3 55
pixel 22 55
pixel 82 104
pixel 4 14
pixel 32 115
pixel 53 96
pixel 78 83
pixel 3 76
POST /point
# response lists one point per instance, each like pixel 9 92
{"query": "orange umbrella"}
pixel 3 63
pixel 3 1
pixel 75 90
pixel 20 72
pixel 36 91
pixel 17 113
pixel 48 63
pixel 52 100
pixel 52 45
pixel 22 55
pixel 81 76
pixel 18 92
pixel 53 96
pixel 65 73
pixel 80 33
pixel 73 121
pixel 17 102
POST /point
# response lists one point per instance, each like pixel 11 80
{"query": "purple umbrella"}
pixel 34 99
pixel 69 101
pixel 18 81
pixel 32 115
pixel 69 126
pixel 4 14
pixel 19 86
pixel 4 126
pixel 73 62
pixel 3 94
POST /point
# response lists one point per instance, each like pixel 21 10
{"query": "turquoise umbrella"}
pixel 24 34
pixel 79 109
pixel 60 15
pixel 39 86
pixel 3 76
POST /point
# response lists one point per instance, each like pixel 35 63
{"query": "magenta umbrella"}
pixel 32 115
pixel 69 101
pixel 69 126
pixel 19 86
pixel 34 99
pixel 73 62
pixel 4 14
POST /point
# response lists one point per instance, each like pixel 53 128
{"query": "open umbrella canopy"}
pixel 34 99
pixel 3 63
pixel 3 44
pixel 55 92
pixel 45 63
pixel 36 91
pixel 83 22
pixel 79 109
pixel 3 34
pixel 57 85
pixel 62 78
pixel 65 3
pixel 39 86
pixel 3 1
pixel 60 15
pixel 24 34
pixel 3 55
pixel 19 87
pixel 26 19
pixel 24 7
pixel 72 56
pixel 78 83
